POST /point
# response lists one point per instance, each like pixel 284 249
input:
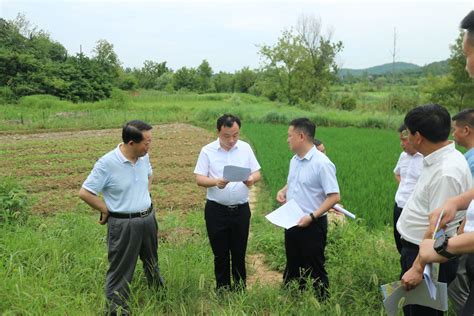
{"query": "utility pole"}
pixel 392 88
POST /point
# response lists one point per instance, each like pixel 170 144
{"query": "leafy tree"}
pixel 107 59
pixel 223 82
pixel 149 74
pixel 203 77
pixel 302 62
pixel 185 79
pixel 462 84
pixel 244 79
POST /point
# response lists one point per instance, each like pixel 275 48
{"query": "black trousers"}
pixel 396 235
pixel 305 256
pixel 228 231
pixel 468 309
pixel 447 273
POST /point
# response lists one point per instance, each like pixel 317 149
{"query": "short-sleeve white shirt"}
pixel 409 169
pixel 211 162
pixel 445 174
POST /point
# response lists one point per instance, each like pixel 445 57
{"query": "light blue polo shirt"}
pixel 124 185
pixel 470 160
pixel 311 179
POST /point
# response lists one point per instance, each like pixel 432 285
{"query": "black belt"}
pixel 143 213
pixel 408 244
pixel 230 208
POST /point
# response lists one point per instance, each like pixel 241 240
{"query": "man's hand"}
pixel 305 221
pixel 221 183
pixel 428 254
pixel 412 278
pixel 281 197
pixel 104 217
pixel 448 215
pixel 250 181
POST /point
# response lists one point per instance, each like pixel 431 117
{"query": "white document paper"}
pixel 339 208
pixel 420 296
pixel 236 174
pixel 430 275
pixel 287 215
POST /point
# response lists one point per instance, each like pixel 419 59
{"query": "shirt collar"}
pixel 469 153
pixel 121 157
pixel 438 154
pixel 308 155
pixel 219 147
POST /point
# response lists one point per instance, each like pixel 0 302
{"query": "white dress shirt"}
pixel 445 174
pixel 409 169
pixel 211 162
pixel 311 179
pixel 469 226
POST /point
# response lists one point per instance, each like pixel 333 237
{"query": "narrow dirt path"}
pixel 259 272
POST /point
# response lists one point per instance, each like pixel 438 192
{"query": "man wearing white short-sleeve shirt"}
pixel 227 210
pixel 445 174
pixel 407 171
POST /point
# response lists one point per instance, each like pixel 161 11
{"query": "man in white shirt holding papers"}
pixel 227 211
pixel 312 184
pixel 445 174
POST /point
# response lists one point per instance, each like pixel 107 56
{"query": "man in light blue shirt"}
pixel 312 184
pixel 463 134
pixel 124 176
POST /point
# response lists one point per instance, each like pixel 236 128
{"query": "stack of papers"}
pixel 236 174
pixel 395 297
pixel 288 215
pixel 339 208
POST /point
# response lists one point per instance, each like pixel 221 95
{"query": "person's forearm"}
pixel 256 176
pixel 329 202
pixel 93 200
pixel 284 189
pixel 397 178
pixel 462 201
pixel 418 264
pixel 206 182
pixel 461 244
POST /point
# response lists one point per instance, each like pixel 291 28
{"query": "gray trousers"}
pixel 128 238
pixel 459 289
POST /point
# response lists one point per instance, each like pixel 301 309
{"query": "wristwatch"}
pixel 440 245
pixel 313 217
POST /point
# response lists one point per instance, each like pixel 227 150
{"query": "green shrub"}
pixel 13 202
pixel 275 117
pixel 42 101
pixel 347 103
pixel 7 95
pixel 403 102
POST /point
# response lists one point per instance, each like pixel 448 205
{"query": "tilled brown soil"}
pixel 52 166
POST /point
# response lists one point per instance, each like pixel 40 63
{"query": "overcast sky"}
pixel 227 33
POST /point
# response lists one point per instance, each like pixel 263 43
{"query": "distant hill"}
pixel 435 68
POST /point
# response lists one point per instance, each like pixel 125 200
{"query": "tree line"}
pixel 299 67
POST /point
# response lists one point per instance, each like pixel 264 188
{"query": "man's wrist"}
pixel 313 218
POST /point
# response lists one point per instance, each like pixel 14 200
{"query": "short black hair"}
pixel 317 142
pixel 304 125
pixel 466 116
pixel 402 127
pixel 227 120
pixel 132 131
pixel 432 121
pixel 468 24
